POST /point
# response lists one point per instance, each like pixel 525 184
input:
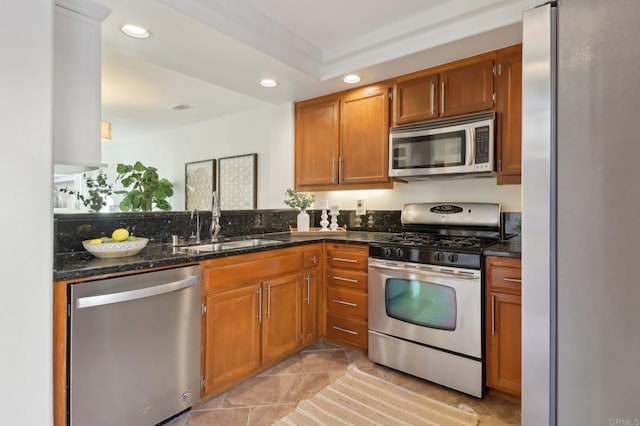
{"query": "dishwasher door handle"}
pixel 125 296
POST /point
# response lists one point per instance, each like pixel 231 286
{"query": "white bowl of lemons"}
pixel 121 244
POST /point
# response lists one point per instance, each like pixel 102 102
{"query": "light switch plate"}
pixel 360 208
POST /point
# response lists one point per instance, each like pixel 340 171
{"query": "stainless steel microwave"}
pixel 450 148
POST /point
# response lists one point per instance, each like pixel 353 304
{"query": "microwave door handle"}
pixel 471 156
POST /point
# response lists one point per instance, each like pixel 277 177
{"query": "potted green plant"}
pixel 147 188
pixel 301 202
pixel 98 190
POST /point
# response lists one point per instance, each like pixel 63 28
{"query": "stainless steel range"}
pixel 426 293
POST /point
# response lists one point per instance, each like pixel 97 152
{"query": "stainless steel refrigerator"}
pixel 580 213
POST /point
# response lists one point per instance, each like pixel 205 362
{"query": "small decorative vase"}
pixel 303 221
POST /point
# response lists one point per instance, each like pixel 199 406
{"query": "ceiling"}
pixel 210 54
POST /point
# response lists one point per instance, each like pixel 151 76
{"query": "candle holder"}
pixel 334 213
pixel 324 222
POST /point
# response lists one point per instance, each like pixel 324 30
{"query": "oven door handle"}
pixel 461 276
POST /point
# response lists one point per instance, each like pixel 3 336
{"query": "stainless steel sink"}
pixel 229 245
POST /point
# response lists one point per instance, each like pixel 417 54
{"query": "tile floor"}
pixel 271 395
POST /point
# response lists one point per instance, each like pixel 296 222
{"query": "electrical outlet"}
pixel 360 208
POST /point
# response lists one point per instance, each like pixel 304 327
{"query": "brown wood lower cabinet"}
pixel 280 316
pixel 259 309
pixel 503 324
pixel 311 284
pixel 232 342
pixel 346 293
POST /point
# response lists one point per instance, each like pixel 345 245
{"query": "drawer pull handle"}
pixel 342 302
pixel 340 259
pixel 349 280
pixel 344 330
pixel 513 280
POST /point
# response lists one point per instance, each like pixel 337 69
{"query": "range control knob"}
pixel 438 256
pixel 386 251
pixel 399 252
pixel 453 257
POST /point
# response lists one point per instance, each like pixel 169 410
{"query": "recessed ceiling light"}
pixel 267 82
pixel 351 79
pixel 135 31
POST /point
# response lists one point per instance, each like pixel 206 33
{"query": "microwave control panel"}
pixel 482 145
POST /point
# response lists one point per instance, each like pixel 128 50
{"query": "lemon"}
pixel 96 241
pixel 120 234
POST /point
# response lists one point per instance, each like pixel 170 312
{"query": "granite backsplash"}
pixel 71 229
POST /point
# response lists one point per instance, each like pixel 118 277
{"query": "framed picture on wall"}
pixel 237 182
pixel 199 184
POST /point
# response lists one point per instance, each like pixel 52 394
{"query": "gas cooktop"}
pixel 452 234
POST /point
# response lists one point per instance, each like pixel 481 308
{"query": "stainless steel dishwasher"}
pixel 134 347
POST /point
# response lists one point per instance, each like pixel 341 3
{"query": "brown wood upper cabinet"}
pixel 342 141
pixel 509 115
pixel 416 99
pixel 458 88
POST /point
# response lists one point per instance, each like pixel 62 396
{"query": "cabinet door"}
pixel 317 143
pixel 504 343
pixel 416 99
pixel 232 337
pixel 467 88
pixel 364 136
pixel 310 294
pixel 280 316
pixel 509 115
pixel 76 90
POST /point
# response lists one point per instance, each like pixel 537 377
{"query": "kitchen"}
pixel 582 361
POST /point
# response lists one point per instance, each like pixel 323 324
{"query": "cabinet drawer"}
pixel 311 258
pixel 234 271
pixel 506 279
pixel 345 278
pixel 346 302
pixel 348 258
pixel 349 330
pixel 504 274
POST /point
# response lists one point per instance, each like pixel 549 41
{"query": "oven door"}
pixel 435 306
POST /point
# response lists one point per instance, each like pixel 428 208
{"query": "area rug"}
pixel 359 398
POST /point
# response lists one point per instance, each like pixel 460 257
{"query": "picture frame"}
pixel 238 181
pixel 199 184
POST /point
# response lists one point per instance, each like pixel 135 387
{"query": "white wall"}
pixel 467 190
pixel 26 251
pixel 269 132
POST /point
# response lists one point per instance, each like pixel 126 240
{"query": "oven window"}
pixel 421 303
pixel 429 151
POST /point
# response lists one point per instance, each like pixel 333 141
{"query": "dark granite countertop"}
pixel 506 248
pixel 76 265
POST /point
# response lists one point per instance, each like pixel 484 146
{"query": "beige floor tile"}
pixel 268 414
pixel 291 365
pixel 315 362
pixel 507 413
pixel 210 404
pixel 219 416
pixel 322 345
pixel 271 395
pixel 359 359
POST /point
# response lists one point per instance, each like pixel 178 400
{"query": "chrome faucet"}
pixel 197 213
pixel 215 217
